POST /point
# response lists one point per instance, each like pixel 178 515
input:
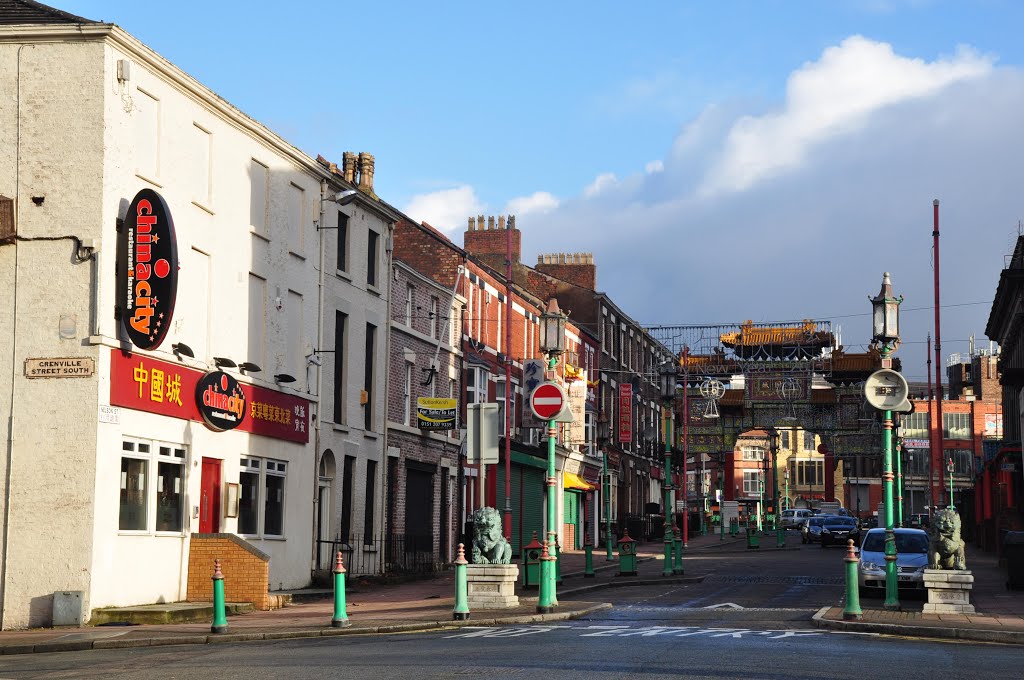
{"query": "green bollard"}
pixel 220 619
pixel 461 611
pixel 679 553
pixel 340 619
pixel 627 555
pixel 558 564
pixel 852 610
pixel 545 605
pixel 588 571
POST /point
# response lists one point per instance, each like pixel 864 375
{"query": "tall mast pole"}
pixel 937 455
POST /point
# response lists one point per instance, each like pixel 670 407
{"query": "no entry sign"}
pixel 547 401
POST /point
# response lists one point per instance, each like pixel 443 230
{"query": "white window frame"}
pixel 408 417
pixel 476 389
pixel 267 467
pixel 177 455
pixel 500 397
pixel 434 303
pixel 752 482
pixel 410 292
pixel 752 453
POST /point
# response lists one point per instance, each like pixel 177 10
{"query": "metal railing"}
pixel 381 555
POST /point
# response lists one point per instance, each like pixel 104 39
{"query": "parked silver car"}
pixel 911 560
pixel 794 517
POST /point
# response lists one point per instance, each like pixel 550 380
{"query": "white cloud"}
pixel 447 209
pixel 601 183
pixel 832 96
pixel 539 202
pixel 654 166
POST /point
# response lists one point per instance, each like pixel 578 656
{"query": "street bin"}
pixel 627 556
pixel 1013 551
pixel 753 538
pixel 531 562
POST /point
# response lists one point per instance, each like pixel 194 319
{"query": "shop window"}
pixel 261 479
pixel 140 500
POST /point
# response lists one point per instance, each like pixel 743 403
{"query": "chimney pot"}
pixel 501 222
pixel 348 164
pixel 472 224
pixel 490 222
pixel 366 172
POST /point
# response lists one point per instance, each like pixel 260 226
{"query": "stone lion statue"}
pixel 945 547
pixel 489 544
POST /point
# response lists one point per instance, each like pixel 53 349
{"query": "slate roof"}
pixel 31 12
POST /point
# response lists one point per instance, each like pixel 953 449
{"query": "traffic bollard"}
pixel 678 569
pixel 220 618
pixel 461 611
pixel 852 610
pixel 545 604
pixel 340 619
pixel 588 571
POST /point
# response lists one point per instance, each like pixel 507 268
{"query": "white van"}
pixel 792 519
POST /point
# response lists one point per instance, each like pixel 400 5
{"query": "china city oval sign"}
pixel 147 270
pixel 220 401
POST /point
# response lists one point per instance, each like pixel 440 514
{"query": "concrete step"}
pixel 168 612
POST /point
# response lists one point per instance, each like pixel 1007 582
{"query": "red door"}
pixel 209 497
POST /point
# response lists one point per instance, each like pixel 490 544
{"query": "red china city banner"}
pixel 625 413
pixel 146 384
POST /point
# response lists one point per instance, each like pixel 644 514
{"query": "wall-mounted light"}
pixel 248 367
pixel 224 361
pixel 283 378
pixel 180 349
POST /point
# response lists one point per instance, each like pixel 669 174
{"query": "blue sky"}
pixel 722 160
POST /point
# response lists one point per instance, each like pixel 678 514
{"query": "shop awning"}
pixel 574 481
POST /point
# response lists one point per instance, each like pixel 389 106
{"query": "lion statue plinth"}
pixel 489 544
pixel 945 547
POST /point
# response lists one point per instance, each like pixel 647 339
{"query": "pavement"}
pixel 999 617
pixel 427 604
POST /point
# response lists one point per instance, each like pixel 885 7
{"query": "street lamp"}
pixel 785 475
pixel 604 437
pixel 668 373
pixel 882 389
pixel 949 468
pixel 552 343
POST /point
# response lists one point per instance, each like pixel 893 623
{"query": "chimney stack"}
pixel 365 172
pixel 576 268
pixel 348 167
pixel 487 240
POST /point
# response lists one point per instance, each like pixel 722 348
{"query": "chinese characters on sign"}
pixel 625 413
pixel 146 384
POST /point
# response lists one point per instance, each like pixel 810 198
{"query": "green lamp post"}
pixel 668 373
pixel 604 438
pixel 899 480
pixel 949 468
pixel 552 344
pixel 887 390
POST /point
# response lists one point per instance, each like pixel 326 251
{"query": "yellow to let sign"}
pixel 436 413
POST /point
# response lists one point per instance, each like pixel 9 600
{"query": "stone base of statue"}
pixel 492 586
pixel 949 591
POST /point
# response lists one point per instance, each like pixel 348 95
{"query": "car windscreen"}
pixel 841 521
pixel 905 543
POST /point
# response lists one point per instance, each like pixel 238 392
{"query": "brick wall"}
pixel 245 569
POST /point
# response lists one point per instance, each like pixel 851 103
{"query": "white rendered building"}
pixel 113 465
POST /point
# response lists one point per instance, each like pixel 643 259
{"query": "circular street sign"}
pixel 547 400
pixel 886 389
